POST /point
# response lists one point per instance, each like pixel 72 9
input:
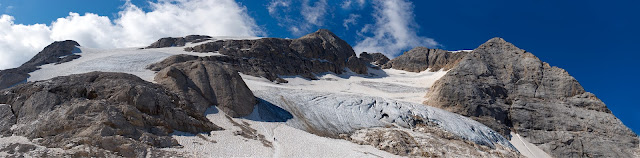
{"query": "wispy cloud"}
pixel 132 27
pixel 347 4
pixel 313 14
pixel 394 31
pixel 351 20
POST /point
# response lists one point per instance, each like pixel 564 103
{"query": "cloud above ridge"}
pixel 286 13
pixel 132 27
pixel 394 30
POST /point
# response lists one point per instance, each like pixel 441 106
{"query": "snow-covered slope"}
pixel 290 114
pixel 335 105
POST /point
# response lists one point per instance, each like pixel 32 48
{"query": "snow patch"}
pixel 287 141
pixel 456 51
pixel 126 60
pixel 527 149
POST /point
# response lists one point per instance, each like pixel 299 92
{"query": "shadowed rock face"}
pixel 56 52
pixel 112 111
pixel 377 59
pixel 420 58
pixel 318 52
pixel 507 88
pixel 177 41
pixel 206 83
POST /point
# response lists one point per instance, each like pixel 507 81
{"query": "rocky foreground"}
pixel 113 114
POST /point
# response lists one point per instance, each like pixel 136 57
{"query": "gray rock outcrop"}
pixel 178 41
pixel 111 111
pixel 377 59
pixel 57 52
pixel 509 89
pixel 420 58
pixel 318 52
pixel 357 65
pixel 206 83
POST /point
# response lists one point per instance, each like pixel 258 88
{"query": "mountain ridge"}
pixel 209 73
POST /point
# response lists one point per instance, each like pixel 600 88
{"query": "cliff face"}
pixel 318 52
pixel 420 58
pixel 511 90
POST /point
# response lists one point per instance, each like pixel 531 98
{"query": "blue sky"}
pixel 595 41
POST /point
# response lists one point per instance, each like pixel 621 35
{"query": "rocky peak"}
pixel 178 41
pixel 511 90
pixel 57 52
pixel 333 48
pixel 318 52
pixel 52 53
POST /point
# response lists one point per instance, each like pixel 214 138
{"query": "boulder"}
pixel 511 90
pixel 206 83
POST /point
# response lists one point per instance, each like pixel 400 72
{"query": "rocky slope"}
pixel 205 83
pixel 178 41
pixel 57 52
pixel 377 59
pixel 511 90
pixel 194 96
pixel 420 58
pixel 318 52
pixel 113 112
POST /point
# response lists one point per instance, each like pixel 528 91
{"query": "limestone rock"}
pixel 318 52
pixel 377 59
pixel 11 77
pixel 206 83
pixel 177 41
pixel 507 88
pixel 356 65
pixel 57 52
pixel 52 53
pixel 111 111
pixel 420 58
pixel 7 119
pixel 425 141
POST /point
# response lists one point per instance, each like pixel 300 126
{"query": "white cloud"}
pixel 285 11
pixel 346 4
pixel 274 5
pixel 394 31
pixel 132 27
pixel 351 20
pixel 314 14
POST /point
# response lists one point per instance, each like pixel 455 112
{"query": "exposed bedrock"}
pixel 178 41
pixel 57 52
pixel 206 83
pixel 507 88
pixel 318 52
pixel 420 58
pixel 377 59
pixel 115 112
